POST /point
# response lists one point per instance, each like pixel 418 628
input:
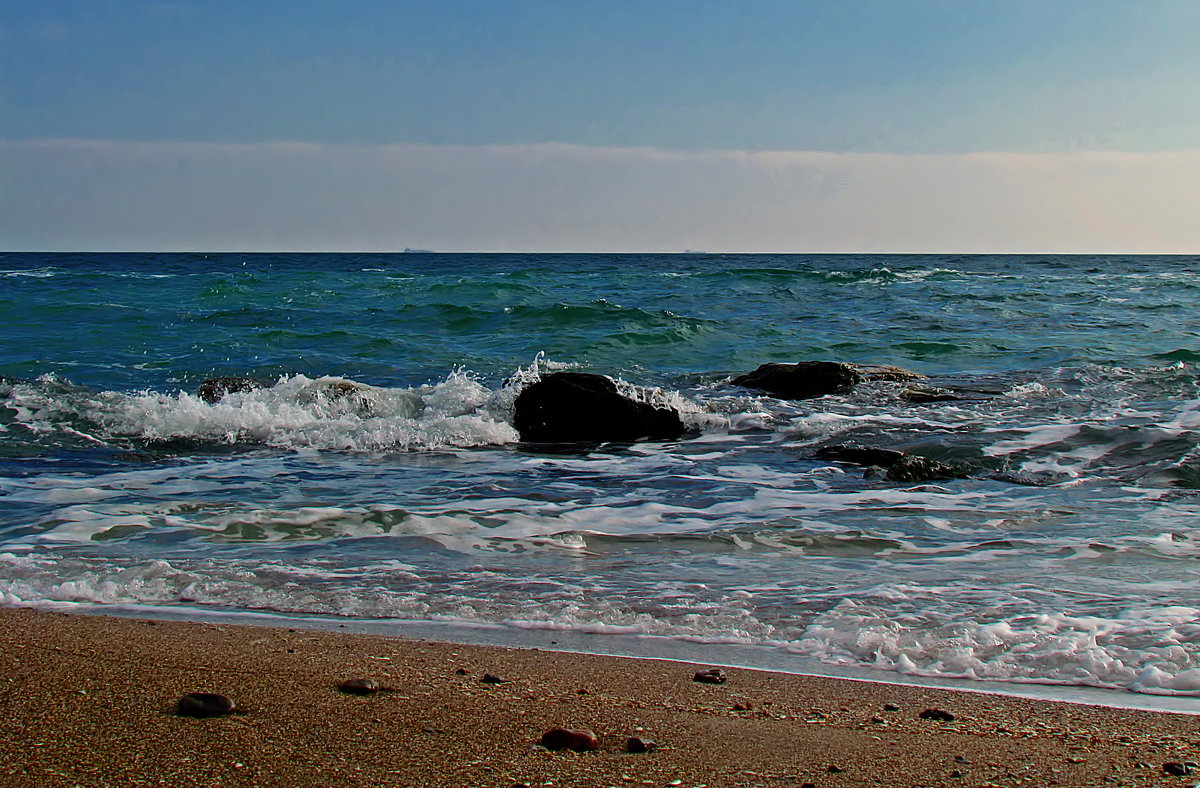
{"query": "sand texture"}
pixel 91 701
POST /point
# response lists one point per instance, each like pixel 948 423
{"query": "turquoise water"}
pixel 1068 555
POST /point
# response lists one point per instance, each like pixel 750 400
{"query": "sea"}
pixel 1066 555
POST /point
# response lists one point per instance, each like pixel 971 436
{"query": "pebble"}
pixel 710 676
pixel 359 686
pixel 890 707
pixel 576 739
pixel 204 704
pixel 936 714
pixel 1179 769
pixel 489 678
pixel 637 745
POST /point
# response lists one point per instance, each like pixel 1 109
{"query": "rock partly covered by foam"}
pixel 578 407
pixel 214 389
pixel 802 380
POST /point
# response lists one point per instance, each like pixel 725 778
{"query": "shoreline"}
pixel 89 700
pixel 640 647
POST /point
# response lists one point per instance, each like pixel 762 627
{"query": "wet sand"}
pixel 90 701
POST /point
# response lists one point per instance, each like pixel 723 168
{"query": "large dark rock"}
pixel 213 389
pixel 803 380
pixel 578 407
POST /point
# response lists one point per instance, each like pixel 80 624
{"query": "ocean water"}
pixel 1070 554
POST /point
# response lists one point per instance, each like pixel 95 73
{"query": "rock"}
pixel 577 407
pixel 710 676
pixel 835 769
pixel 489 678
pixel 921 394
pixel 638 745
pixel 214 389
pixel 890 707
pixel 803 380
pixel 360 686
pixel 911 468
pixel 936 714
pixel 204 704
pixel 1179 769
pixel 575 739
pixel 860 455
pixel 886 372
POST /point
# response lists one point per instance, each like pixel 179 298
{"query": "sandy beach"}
pixel 92 701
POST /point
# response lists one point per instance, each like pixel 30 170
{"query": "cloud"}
pixel 96 195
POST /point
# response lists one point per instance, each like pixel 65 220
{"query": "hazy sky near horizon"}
pixel 847 125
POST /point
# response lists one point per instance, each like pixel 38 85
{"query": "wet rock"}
pixel 638 745
pixel 886 372
pixel 860 455
pixel 936 714
pixel 214 389
pixel 710 676
pixel 911 468
pixel 919 395
pixel 204 704
pixel 360 687
pixel 803 380
pixel 574 739
pixel 577 407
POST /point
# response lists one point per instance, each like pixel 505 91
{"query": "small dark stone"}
pixel 1177 769
pixel 890 707
pixel 204 704
pixel 461 672
pixel 956 773
pixel 809 785
pixel 583 691
pixel 743 706
pixel 960 759
pixel 575 739
pixel 803 380
pixel 638 745
pixel 835 769
pixel 360 686
pixel 710 676
pixel 489 678
pixel 878 719
pixel 936 714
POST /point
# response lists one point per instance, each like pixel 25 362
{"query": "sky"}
pixel 903 126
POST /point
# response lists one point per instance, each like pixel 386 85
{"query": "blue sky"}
pixel 119 118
